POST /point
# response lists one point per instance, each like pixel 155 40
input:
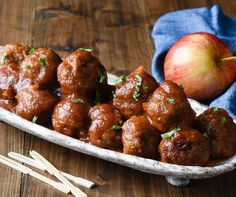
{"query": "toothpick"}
pixel 25 170
pixel 54 171
pixel 29 161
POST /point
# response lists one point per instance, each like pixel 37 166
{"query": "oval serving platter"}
pixel 176 174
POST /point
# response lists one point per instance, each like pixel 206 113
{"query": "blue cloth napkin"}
pixel 172 26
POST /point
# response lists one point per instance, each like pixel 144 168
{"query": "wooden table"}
pixel 119 33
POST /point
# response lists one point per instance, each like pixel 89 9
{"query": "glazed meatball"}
pixel 218 127
pixel 40 67
pixel 185 147
pixel 8 105
pixel 8 79
pixel 105 129
pixel 168 107
pixel 140 138
pixel 14 53
pixel 133 91
pixel 70 117
pixel 81 73
pixel 35 103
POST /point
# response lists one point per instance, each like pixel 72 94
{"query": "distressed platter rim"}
pixel 135 162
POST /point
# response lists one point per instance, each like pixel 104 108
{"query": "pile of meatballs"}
pixel 137 115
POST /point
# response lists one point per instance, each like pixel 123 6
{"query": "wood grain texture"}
pixel 10 139
pixel 119 33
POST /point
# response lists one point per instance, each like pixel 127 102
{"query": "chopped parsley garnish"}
pixel 210 138
pixel 102 78
pixel 3 58
pixel 139 79
pixel 170 133
pixel 78 100
pixel 35 119
pixel 116 126
pixel 27 67
pixel 136 93
pixel 31 51
pixel 122 78
pixel 98 98
pixel 206 134
pixel 42 62
pixel 223 120
pixel 171 100
pixel 113 94
pixel 145 88
pixel 216 110
pixel 85 49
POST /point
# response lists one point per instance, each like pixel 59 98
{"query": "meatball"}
pixel 218 127
pixel 40 67
pixel 81 73
pixel 133 91
pixel 105 129
pixel 185 147
pixel 140 138
pixel 8 105
pixel 168 107
pixel 35 104
pixel 8 79
pixel 14 53
pixel 70 117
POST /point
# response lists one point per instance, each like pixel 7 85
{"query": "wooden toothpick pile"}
pixel 39 162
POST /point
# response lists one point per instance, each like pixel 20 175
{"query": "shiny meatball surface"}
pixel 14 53
pixel 81 73
pixel 8 79
pixel 133 91
pixel 35 103
pixel 70 116
pixel 140 138
pixel 218 127
pixel 40 67
pixel 105 129
pixel 168 107
pixel 186 147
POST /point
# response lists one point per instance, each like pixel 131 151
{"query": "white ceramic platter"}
pixel 176 174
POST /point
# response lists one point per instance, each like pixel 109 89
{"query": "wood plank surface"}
pixel 119 33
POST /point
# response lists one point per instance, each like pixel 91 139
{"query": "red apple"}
pixel 202 63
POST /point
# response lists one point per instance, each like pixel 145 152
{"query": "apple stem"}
pixel 228 58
